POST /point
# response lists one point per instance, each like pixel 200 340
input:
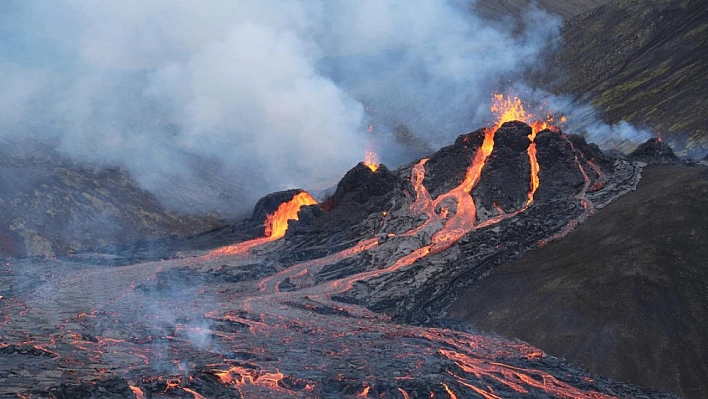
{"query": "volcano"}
pixel 343 298
pixel 654 151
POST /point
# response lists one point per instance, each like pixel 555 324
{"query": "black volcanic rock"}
pixel 446 168
pixel 354 209
pixel 591 151
pixel 559 173
pixel 654 151
pixel 506 178
pixel 270 203
pixel 512 137
pixel 360 184
pixel 112 388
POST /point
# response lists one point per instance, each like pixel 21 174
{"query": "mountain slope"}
pixel 642 61
pixel 625 295
pixel 51 206
pixel 566 9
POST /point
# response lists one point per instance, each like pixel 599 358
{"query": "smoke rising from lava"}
pixel 583 118
pixel 213 104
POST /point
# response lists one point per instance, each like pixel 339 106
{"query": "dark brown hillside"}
pixel 566 9
pixel 644 61
pixel 625 295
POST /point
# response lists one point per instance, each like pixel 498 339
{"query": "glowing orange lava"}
pixel 449 391
pixel 195 393
pixel 137 391
pixel 276 225
pixel 510 108
pixel 371 159
pixel 516 378
pixel 364 393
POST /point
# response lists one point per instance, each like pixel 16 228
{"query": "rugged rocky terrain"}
pixel 52 206
pixel 641 61
pixel 291 315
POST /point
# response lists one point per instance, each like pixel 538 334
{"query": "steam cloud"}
pixel 211 104
pixel 585 119
pixel 582 118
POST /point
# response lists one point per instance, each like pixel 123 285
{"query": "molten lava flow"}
pixel 137 391
pixel 423 203
pixel 465 217
pixel 245 379
pixel 276 225
pixel 535 168
pixel 511 108
pixel 195 393
pixel 449 391
pixel 241 248
pixel 518 379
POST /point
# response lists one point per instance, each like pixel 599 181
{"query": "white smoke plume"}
pixel 583 118
pixel 211 104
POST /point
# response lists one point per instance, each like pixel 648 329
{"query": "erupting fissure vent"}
pixel 455 225
pixel 510 108
pixel 464 220
pixel 276 224
pixel 371 158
